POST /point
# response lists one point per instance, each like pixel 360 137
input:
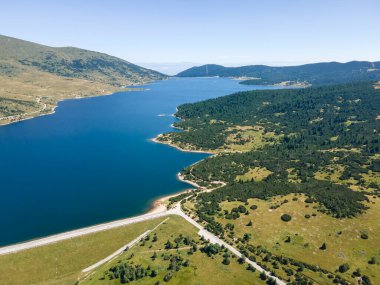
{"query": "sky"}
pixel 171 35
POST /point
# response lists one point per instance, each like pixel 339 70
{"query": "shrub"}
pixel 253 207
pixel 356 273
pixel 251 268
pixel 226 261
pixel 167 277
pixel 343 268
pixel 307 216
pixel 364 235
pixel 263 276
pixel 373 260
pixel 309 200
pixel 286 217
pixel 366 280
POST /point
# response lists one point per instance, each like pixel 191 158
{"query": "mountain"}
pixel 32 75
pixel 315 74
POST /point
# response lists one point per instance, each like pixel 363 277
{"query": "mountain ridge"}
pixel 34 77
pixel 323 73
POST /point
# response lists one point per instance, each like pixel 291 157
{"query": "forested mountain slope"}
pixel 314 74
pixel 316 149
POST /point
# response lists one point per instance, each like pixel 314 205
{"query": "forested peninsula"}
pixel 315 150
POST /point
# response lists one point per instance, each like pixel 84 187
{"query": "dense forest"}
pixel 315 74
pixel 319 133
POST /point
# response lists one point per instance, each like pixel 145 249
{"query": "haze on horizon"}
pixel 170 35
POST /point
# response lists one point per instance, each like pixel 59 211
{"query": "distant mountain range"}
pixel 34 77
pixel 315 74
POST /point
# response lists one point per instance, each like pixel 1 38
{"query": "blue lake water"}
pixel 92 161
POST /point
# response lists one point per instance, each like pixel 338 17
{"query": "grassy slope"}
pixel 29 71
pixel 347 247
pixel 202 269
pixel 62 262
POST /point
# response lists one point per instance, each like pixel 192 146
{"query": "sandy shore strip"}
pixel 179 148
pixel 181 177
pixel 159 205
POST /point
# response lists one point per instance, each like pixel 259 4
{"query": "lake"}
pixel 92 160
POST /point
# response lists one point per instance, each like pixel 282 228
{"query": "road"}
pixel 80 232
pixel 24 115
pixel 106 226
pixel 127 246
pixel 215 240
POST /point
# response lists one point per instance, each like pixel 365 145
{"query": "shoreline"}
pixel 52 110
pixel 157 209
pixel 155 140
pixel 159 204
pixel 180 177
pixel 130 88
pixel 54 238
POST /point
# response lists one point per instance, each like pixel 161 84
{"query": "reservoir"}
pixel 92 161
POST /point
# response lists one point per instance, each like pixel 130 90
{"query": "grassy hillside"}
pixel 310 153
pixel 62 262
pixel 303 75
pixel 173 251
pixel 34 77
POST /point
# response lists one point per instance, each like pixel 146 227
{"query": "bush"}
pixel 307 216
pixel 253 207
pixel 309 200
pixel 286 217
pixel 251 268
pixel 167 277
pixel 356 273
pixel 364 236
pixel 366 280
pixel 373 260
pixel 263 276
pixel 226 261
pixel 343 268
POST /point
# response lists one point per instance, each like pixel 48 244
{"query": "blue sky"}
pixel 172 34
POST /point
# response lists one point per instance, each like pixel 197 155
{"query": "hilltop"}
pixel 303 75
pixel 34 77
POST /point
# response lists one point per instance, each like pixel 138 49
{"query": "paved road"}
pixel 215 240
pixel 80 232
pixel 174 211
